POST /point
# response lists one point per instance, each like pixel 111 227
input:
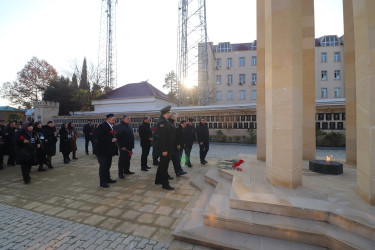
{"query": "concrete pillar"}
pixel 350 93
pixel 309 110
pixel 284 89
pixel 364 42
pixel 261 120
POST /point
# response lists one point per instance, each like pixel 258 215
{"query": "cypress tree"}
pixel 84 84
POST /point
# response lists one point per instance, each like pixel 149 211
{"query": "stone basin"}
pixel 324 167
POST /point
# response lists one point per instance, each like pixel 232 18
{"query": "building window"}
pixel 324 92
pixel 218 63
pixel 324 57
pixel 330 41
pixel 242 61
pixel 337 92
pixel 253 94
pixel 230 95
pixel 218 79
pixel 218 95
pixel 337 75
pixel 242 78
pixel 254 78
pixel 229 62
pixel 254 61
pixel 324 75
pixel 337 57
pixel 230 79
pixel 223 47
pixel 242 95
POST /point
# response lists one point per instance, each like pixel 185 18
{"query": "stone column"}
pixel 284 89
pixel 309 110
pixel 350 103
pixel 261 122
pixel 364 42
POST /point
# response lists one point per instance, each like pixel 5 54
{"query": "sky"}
pixel 63 32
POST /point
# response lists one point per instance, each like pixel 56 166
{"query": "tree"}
pixel 32 81
pixel 171 84
pixel 74 83
pixel 83 83
pixel 60 91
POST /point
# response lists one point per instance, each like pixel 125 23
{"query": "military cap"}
pixel 109 115
pixel 165 110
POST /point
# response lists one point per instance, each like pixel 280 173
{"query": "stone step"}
pixel 219 214
pixel 242 197
pixel 192 228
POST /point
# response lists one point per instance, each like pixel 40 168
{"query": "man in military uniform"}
pixel 165 147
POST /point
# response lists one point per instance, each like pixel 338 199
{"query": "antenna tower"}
pixel 192 54
pixel 107 58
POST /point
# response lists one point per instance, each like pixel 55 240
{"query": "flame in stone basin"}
pixel 328 158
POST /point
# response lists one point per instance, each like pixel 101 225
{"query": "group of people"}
pixel 168 142
pixel 34 144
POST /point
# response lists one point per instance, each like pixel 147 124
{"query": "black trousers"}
pixel 162 172
pixel 145 152
pixel 176 159
pixel 87 140
pixel 12 156
pixel 187 149
pixel 105 163
pixel 25 169
pixel 155 154
pixel 123 162
pixel 1 155
pixel 203 149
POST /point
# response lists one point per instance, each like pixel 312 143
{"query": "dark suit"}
pixel 106 149
pixel 166 135
pixel 203 137
pixel 189 141
pixel 87 129
pixel 145 133
pixel 125 139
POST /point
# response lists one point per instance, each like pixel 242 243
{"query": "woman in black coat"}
pixel 27 142
pixel 65 143
pixel 9 145
pixel 40 151
pixel 50 140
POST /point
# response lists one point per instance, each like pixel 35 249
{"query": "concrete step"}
pixel 192 228
pixel 242 197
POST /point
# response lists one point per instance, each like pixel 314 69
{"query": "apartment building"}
pixel 233 77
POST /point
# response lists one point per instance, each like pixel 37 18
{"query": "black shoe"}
pixel 111 181
pixel 105 185
pixel 181 173
pixel 148 167
pixel 121 177
pixel 41 169
pixel 203 163
pixel 189 165
pixel 170 178
pixel 1 167
pixel 66 161
pixel 157 183
pixel 129 172
pixel 168 187
pixel 27 181
pixel 75 158
pixel 87 153
pixel 144 169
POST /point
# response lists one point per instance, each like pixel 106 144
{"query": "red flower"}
pixel 113 133
pixel 130 153
pixel 241 161
pixel 21 137
pixel 154 128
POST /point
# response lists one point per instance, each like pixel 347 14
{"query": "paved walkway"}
pixel 65 207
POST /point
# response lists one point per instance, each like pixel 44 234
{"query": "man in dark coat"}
pixel 2 142
pixel 145 134
pixel 190 139
pixel 176 164
pixel 50 135
pixel 165 147
pixel 125 142
pixel 202 137
pixel 10 143
pixel 155 154
pixel 179 147
pixel 106 149
pixel 88 130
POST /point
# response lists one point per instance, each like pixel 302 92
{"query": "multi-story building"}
pixel 232 71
